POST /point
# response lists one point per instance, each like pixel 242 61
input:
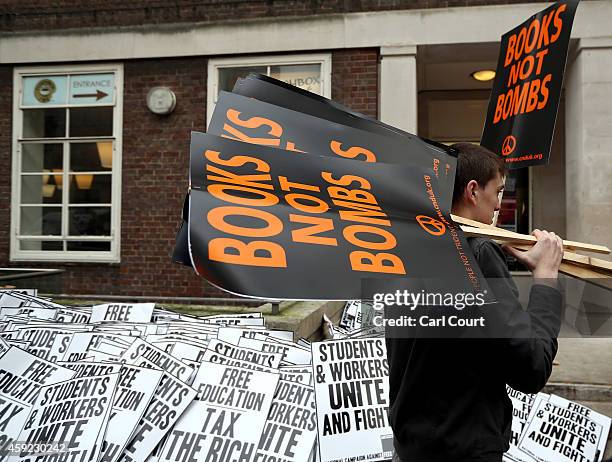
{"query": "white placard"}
pixel 135 389
pixel 291 427
pixel 169 402
pixel 143 350
pixel 564 431
pixel 226 422
pixel 73 414
pixel 22 374
pixel 122 312
pixel 352 391
pixel 245 354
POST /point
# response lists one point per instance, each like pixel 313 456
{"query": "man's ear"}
pixel 471 191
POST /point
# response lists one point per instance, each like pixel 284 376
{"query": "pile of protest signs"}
pixel 550 428
pixel 134 382
pixel 284 180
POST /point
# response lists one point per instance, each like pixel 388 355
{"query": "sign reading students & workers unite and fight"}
pixel 525 96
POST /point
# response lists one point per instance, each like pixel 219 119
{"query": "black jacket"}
pixel 448 398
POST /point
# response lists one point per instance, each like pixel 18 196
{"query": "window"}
pixel 67 163
pixel 309 72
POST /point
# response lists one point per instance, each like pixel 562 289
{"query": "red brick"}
pixel 22 15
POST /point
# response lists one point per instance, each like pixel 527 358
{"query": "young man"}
pixel 448 400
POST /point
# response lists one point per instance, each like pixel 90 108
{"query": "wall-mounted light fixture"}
pixel 161 100
pixel 483 75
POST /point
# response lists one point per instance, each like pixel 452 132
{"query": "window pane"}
pixel 88 246
pixel 41 245
pixel 44 123
pixel 90 189
pixel 229 75
pixel 40 189
pixel 89 221
pixel 304 76
pixel 91 157
pixel 41 157
pixel 41 221
pixel 91 121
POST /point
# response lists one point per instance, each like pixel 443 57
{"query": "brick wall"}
pixel 19 15
pixel 355 79
pixel 154 172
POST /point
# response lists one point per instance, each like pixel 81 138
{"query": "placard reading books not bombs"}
pixel 273 91
pixel 246 119
pixel 351 380
pixel 262 220
pixel 527 88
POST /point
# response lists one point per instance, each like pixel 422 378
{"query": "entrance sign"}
pixel 92 89
pixel 525 96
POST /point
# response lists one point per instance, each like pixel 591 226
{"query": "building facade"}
pixel 95 177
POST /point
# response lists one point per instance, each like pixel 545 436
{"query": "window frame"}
pixel 212 87
pixel 67 256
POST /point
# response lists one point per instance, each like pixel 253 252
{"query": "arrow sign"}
pixel 92 89
pixel 98 95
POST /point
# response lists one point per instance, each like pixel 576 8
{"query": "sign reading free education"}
pixel 269 223
pixel 525 96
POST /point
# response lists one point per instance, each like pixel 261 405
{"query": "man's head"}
pixel 478 182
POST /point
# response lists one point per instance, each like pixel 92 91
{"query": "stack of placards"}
pixel 357 314
pixel 284 180
pixel 121 382
pixel 551 428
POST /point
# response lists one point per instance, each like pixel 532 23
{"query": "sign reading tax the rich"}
pixel 262 221
pixel 527 88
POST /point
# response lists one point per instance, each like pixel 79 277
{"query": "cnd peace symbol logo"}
pixel 508 145
pixel 433 227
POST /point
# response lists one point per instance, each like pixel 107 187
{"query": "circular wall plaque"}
pixel 161 100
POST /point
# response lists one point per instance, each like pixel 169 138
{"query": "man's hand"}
pixel 544 257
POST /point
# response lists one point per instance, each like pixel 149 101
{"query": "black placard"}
pixel 269 223
pixel 246 119
pixel 525 96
